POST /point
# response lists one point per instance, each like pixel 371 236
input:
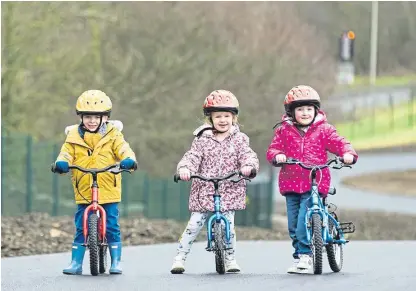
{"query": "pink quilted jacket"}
pixel 311 148
pixel 210 158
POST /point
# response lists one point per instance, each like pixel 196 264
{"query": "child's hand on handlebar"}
pixel 61 167
pixel 280 158
pixel 128 164
pixel 184 174
pixel 348 158
pixel 246 171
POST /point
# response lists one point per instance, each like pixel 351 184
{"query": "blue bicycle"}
pixel 322 225
pixel 218 234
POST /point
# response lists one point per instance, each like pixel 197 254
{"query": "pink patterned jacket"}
pixel 310 148
pixel 211 158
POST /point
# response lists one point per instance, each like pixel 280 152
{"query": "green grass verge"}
pixel 382 81
pixel 382 128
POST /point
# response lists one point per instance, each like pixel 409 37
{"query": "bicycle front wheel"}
pixel 317 242
pixel 219 248
pixel 93 243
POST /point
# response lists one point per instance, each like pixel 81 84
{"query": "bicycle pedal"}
pixel 347 227
pixel 209 249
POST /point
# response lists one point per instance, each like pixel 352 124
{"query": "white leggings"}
pixel 195 224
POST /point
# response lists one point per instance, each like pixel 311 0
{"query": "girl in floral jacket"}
pixel 219 147
pixel 304 134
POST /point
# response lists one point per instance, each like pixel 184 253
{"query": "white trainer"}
pixel 231 266
pixel 305 262
pixel 294 268
pixel 178 266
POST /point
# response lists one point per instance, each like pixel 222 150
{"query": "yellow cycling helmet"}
pixel 94 102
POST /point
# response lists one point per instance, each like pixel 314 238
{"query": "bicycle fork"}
pixel 218 217
pixel 94 206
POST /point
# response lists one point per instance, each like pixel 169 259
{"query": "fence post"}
pixel 164 199
pixel 392 111
pixel 146 195
pixel 125 194
pixel 3 138
pixel 256 201
pixel 270 198
pixel 183 203
pixel 354 108
pixel 29 174
pixel 55 185
pixel 410 106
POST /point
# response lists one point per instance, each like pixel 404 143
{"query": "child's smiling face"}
pixel 222 120
pixel 92 122
pixel 304 114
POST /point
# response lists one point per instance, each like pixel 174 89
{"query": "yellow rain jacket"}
pixel 95 151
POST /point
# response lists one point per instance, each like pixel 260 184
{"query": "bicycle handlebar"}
pixel 292 161
pixel 253 174
pixel 115 169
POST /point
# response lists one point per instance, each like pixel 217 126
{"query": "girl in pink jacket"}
pixel 219 148
pixel 304 134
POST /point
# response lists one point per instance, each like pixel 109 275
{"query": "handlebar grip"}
pixel 176 178
pixel 253 173
pixel 353 161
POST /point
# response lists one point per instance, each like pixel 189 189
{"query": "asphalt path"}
pixel 368 265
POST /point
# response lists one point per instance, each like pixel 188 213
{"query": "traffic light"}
pixel 346 46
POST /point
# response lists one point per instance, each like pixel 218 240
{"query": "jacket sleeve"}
pixel 337 144
pixel 276 147
pixel 247 157
pixel 193 157
pixel 122 149
pixel 67 153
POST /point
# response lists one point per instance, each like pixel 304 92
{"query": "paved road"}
pixel 367 267
pixel 358 199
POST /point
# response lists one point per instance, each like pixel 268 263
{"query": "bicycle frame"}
pixel 95 207
pixel 317 204
pixel 218 217
pixel 319 207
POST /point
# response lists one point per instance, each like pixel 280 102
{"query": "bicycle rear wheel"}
pixel 334 251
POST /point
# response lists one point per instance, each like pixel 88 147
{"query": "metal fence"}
pixel 28 185
pixel 371 112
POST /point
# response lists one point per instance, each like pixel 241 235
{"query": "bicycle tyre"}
pixel 93 243
pixel 331 249
pixel 317 243
pixel 219 248
pixel 103 259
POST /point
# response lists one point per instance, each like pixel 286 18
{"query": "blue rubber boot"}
pixel 75 268
pixel 115 253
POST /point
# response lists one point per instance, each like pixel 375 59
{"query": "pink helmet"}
pixel 221 100
pixel 300 96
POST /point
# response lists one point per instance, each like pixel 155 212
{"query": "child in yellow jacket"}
pixel 95 143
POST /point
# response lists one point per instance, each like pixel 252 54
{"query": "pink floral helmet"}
pixel 221 100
